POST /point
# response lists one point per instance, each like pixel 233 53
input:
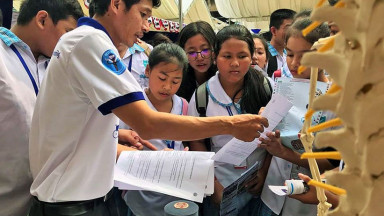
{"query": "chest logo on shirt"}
pixel 116 132
pixel 56 53
pixel 112 62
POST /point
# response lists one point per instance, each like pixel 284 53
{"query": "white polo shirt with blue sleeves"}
pixel 136 61
pixel 220 104
pixel 19 85
pixel 74 135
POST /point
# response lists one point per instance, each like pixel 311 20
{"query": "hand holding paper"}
pixel 236 151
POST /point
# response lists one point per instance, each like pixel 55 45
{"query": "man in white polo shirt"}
pixel 76 119
pixel 23 49
pixel 280 20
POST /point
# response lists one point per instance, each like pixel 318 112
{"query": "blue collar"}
pixel 10 38
pixel 135 48
pixel 91 22
pixel 273 51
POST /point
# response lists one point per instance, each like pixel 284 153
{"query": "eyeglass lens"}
pixel 205 53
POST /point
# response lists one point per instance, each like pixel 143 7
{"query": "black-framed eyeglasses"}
pixel 205 53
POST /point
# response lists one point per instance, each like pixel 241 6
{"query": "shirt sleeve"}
pixel 96 70
pixel 192 111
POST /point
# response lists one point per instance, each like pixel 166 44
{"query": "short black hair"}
pixel 57 10
pixel 1 18
pixel 91 8
pixel 278 16
pixel 101 6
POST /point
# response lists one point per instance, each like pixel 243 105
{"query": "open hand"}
pixel 273 144
pixel 132 139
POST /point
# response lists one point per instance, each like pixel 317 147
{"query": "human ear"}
pixel 41 19
pixel 115 5
pixel 273 30
pixel 214 58
pixel 147 71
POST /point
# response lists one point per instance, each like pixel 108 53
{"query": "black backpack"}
pixel 272 65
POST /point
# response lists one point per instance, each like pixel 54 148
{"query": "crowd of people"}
pixel 76 91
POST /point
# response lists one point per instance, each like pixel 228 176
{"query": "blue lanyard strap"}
pixel 130 63
pixel 26 68
pixel 226 106
pixel 170 144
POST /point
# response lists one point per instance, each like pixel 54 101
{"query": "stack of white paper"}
pixel 296 91
pixel 184 174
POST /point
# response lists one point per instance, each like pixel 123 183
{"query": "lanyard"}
pixel 26 68
pixel 130 64
pixel 226 106
pixel 170 144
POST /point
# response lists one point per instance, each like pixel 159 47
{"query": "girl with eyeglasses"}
pixel 234 90
pixel 197 39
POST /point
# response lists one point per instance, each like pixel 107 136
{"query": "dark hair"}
pixel 278 16
pixel 333 2
pixel 265 44
pixel 159 38
pixel 168 53
pixel 1 18
pixel 321 31
pixel 101 6
pixel 302 14
pixel 188 86
pixel 254 95
pixel 57 10
pixel 91 8
pixel 266 35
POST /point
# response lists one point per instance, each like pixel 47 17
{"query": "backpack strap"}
pixel 272 65
pixel 201 98
pixel 267 87
pixel 185 106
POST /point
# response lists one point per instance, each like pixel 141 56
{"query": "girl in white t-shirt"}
pixel 166 65
pixel 234 90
